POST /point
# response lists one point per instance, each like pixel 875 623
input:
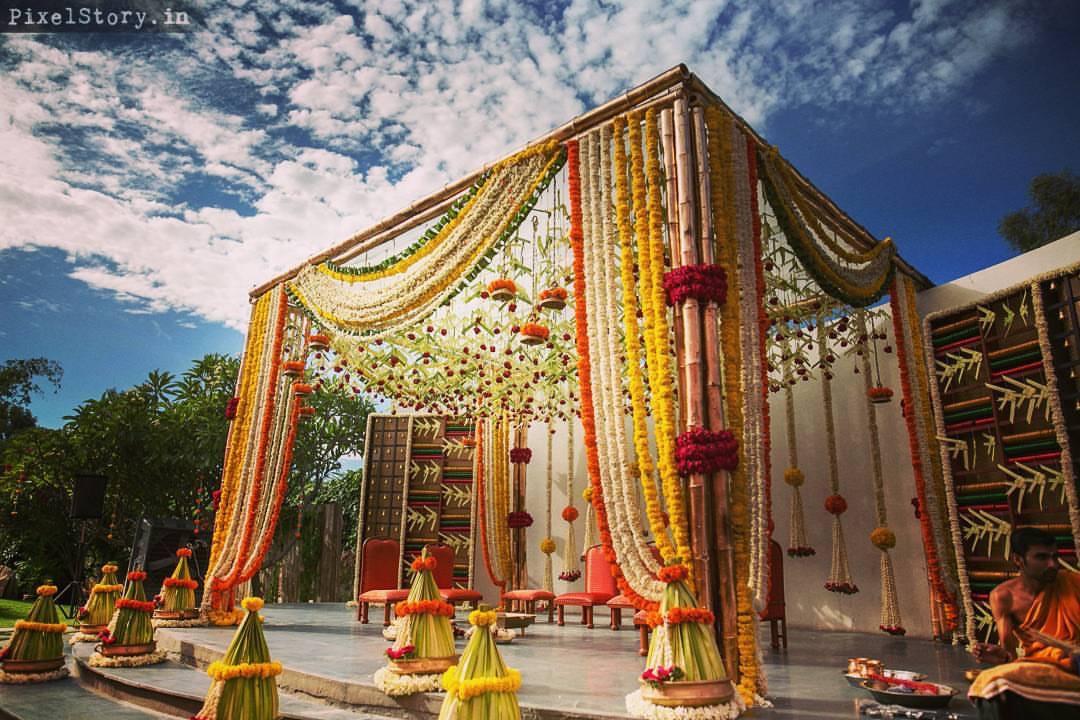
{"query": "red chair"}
pixel 641 622
pixel 775 610
pixel 599 588
pixel 379 577
pixel 444 577
pixel 620 602
pixel 525 601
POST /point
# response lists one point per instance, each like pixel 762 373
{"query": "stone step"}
pixel 66 699
pixel 179 689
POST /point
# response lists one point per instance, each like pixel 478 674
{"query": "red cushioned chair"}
pixel 525 601
pixel 444 577
pixel 775 611
pixel 599 588
pixel 378 578
pixel 620 602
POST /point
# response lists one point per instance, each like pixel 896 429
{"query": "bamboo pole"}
pixel 693 396
pixel 667 143
pixel 714 395
pixel 672 78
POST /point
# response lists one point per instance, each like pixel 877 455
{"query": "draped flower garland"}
pixel 631 330
pixel 258 454
pixel 359 304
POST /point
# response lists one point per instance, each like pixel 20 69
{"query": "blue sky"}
pixel 148 181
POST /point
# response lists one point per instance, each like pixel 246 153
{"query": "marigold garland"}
pixel 221 671
pixel 424 607
pixel 635 378
pixel 722 150
pixel 660 377
pixel 137 605
pixel 29 626
pixel 466 689
pixel 189 584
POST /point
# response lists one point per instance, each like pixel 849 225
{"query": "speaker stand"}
pixel 75 590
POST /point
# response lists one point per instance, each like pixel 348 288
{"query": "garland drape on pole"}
pixel 258 453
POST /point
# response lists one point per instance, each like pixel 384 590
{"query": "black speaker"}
pixel 88 497
pixel 156 543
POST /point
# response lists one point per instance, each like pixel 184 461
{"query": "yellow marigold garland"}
pixel 660 381
pixel 40 627
pixel 220 671
pixel 722 199
pixel 466 689
pixel 107 588
pixel 653 511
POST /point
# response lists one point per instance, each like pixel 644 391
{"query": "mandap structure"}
pixel 637 282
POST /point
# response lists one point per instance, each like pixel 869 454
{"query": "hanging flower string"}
pixel 839 580
pixel 571 570
pixel 882 537
pixel 798 545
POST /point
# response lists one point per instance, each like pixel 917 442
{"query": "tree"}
pixel 19 380
pixel 1054 212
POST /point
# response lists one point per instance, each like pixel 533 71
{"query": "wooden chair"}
pixel 444 577
pixel 599 588
pixel 525 601
pixel 641 622
pixel 775 610
pixel 378 578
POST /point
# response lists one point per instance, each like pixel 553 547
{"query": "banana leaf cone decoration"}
pixel 36 650
pixel 683 668
pixel 178 592
pixel 424 646
pixel 99 609
pixel 481 686
pixel 243 686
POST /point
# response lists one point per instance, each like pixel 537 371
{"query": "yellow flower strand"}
pixel 237 444
pixel 466 689
pixel 483 618
pixel 29 626
pixel 722 200
pixel 221 671
pixel 101 589
pixel 660 381
pixel 653 511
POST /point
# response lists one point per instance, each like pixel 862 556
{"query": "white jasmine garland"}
pixel 28 678
pixel 399 685
pixel 127 661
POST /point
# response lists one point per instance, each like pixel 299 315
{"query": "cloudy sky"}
pixel 148 181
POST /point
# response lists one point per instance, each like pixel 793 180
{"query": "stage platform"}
pixel 568 672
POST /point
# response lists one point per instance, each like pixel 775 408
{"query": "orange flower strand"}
pixel 424 607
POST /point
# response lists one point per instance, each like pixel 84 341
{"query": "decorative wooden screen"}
pixel 418 487
pixel 995 415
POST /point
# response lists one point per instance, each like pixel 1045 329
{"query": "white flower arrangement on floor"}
pixel 396 685
pixel 27 678
pixel 127 661
pixel 639 707
pixel 194 622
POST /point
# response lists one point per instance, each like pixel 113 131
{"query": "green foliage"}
pixel 1053 214
pixel 19 380
pixel 161 444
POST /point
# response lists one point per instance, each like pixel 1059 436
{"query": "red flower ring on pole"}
pixel 519 519
pixel 701 451
pixel 705 282
pixel 520 455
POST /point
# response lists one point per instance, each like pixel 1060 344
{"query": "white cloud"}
pixel 180 177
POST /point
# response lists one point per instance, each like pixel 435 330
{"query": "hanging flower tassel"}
pixel 547 545
pixel 798 545
pixel 840 573
pixel 571 565
pixel 891 621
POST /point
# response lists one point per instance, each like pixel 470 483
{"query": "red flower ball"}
pixel 570 513
pixel 836 504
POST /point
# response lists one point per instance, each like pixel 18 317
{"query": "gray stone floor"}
pixel 588 672
pixel 569 672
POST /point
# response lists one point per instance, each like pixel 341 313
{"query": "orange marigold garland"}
pixel 588 417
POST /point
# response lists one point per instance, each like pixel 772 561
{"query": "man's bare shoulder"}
pixel 1002 596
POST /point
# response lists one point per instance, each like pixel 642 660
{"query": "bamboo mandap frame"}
pixel 681 99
